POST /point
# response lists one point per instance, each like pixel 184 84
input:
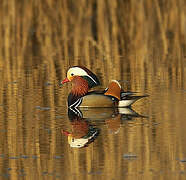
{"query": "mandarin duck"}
pixel 80 96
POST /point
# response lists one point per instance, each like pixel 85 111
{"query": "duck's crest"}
pixel 90 77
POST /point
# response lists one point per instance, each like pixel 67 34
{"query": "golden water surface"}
pixel 140 43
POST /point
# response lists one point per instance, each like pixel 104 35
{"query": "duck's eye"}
pixel 72 74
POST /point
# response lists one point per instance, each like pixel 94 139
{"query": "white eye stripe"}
pixel 76 71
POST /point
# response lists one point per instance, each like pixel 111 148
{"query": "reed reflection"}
pixel 84 122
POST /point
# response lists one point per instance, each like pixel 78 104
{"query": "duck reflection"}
pixel 83 132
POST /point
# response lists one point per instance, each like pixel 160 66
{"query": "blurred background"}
pixel 140 43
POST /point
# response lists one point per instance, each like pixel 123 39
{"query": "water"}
pixel 147 141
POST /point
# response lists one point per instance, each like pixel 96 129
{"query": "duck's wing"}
pixel 114 89
pixel 131 97
pixel 127 93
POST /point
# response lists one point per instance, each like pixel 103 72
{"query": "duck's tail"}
pixel 129 100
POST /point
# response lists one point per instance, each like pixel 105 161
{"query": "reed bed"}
pixel 91 33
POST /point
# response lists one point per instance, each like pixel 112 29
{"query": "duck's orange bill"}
pixel 66 133
pixel 65 80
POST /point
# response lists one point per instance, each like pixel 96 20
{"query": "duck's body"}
pixel 98 100
pixel 91 99
pixel 83 80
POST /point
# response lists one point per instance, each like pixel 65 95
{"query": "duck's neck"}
pixel 79 86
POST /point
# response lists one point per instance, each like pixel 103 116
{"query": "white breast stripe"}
pixel 76 103
pixel 76 111
pixel 80 100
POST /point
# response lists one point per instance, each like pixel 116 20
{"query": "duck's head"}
pixel 82 78
pixel 82 72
